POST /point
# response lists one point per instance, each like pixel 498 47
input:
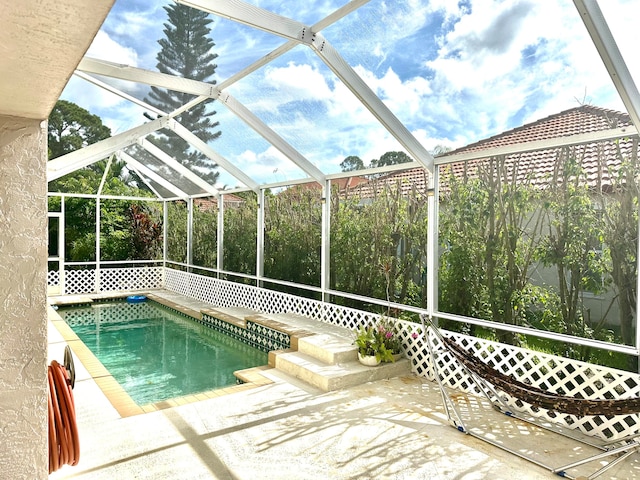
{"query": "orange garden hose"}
pixel 64 445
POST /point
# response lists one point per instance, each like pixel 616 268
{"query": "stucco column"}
pixel 23 324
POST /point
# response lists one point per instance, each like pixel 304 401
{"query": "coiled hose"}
pixel 64 444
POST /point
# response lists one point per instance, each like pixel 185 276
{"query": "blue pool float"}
pixel 136 298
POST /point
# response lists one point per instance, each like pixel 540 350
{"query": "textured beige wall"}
pixel 23 334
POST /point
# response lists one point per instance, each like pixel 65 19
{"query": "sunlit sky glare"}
pixel 452 72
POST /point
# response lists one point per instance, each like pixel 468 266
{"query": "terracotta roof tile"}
pixel 205 204
pixel 599 160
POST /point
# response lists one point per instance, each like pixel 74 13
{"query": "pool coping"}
pixel 113 391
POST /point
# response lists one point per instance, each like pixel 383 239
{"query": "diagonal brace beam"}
pixel 139 75
pixel 88 155
pixel 175 165
pixel 198 144
pixel 272 137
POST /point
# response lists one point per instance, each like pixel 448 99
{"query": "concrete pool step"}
pixel 323 355
pixel 329 377
pixel 329 349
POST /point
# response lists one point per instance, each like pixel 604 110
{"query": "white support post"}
pixel 325 249
pixel 260 239
pixel 637 345
pixel 220 235
pixel 432 245
pixel 190 233
pixel 165 231
pixel 63 246
pixel 97 271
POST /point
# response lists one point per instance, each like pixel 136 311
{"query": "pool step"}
pixel 328 348
pixel 330 363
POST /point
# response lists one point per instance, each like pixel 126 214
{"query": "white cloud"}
pixel 492 66
pixel 106 48
pixel 401 97
pixel 503 58
pixel 297 82
pixel 266 166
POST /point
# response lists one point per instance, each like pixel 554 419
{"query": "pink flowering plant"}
pixel 388 331
pixel 371 342
pixel 380 340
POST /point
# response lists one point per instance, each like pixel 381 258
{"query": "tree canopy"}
pixel 72 127
pixel 353 162
pixel 186 52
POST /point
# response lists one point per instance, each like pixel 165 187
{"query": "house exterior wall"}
pixel 23 264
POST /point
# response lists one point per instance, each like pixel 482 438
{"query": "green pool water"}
pixel 156 354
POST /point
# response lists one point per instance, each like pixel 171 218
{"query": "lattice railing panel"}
pixel 111 279
pixel 79 281
pixel 53 278
pixel 218 293
pixel 138 278
pixel 348 317
pixel 567 377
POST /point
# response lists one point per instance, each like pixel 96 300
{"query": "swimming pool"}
pixel 155 353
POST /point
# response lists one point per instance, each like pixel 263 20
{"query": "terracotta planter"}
pixel 368 360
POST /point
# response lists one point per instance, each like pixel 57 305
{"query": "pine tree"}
pixel 186 52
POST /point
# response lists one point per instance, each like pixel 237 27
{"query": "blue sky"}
pixel 453 73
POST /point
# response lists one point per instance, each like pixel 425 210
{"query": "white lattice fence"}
pixel 79 281
pixel 550 372
pixel 219 293
pixel 558 374
pixel 111 279
pixel 53 278
pixel 139 278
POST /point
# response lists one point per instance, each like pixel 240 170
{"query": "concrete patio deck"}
pixel 390 429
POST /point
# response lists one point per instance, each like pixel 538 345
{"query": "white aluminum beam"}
pixel 250 15
pixel 611 57
pixel 432 244
pixel 260 239
pixel 104 175
pixel 272 137
pixel 220 236
pixel 147 172
pixel 198 144
pixel 270 22
pixel 109 197
pixel 70 162
pixel 147 182
pixel 139 75
pixel 376 171
pixel 282 49
pixel 177 166
pixel 198 88
pixel 190 232
pixel 120 93
pixel 370 100
pixel 325 245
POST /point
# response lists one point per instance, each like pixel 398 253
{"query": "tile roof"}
pixel 343 184
pixel 599 160
pixel 208 203
pixel 583 119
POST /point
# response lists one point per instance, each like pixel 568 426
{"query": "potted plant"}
pixel 391 340
pixel 371 346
